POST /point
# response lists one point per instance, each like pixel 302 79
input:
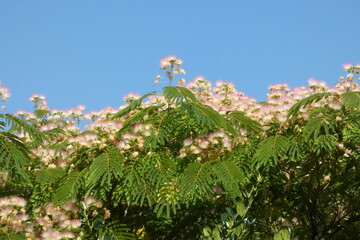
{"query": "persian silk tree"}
pixel 311 162
pixel 167 166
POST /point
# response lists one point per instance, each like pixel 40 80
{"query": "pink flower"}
pixel 187 142
pixel 4 92
pixel 21 217
pixel 37 97
pixel 279 86
pixel 130 136
pixel 203 144
pixel 220 134
pixel 137 128
pixel 195 150
pixel 347 66
pixel 227 143
pixel 168 60
pixel 134 154
pixel 312 82
pixel 89 200
pixel 15 200
pixel 131 96
pixel 181 81
pixel 67 235
pixel 335 106
pixel 81 107
pixel 75 223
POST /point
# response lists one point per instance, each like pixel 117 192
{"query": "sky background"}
pixel 95 52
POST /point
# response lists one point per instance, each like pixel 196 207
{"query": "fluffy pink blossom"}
pixel 131 96
pixel 13 201
pixel 168 60
pixel 347 66
pixel 187 142
pixel 203 144
pixel 4 93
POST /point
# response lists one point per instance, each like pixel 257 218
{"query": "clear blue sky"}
pixel 94 52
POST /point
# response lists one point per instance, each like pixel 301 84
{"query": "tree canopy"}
pixel 197 161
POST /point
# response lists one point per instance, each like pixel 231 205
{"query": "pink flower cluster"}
pixel 352 68
pixel 4 93
pixel 206 146
pixel 223 97
pixel 102 131
pixel 168 61
pixel 54 222
pixel 51 222
pixel 13 216
pixel 131 97
pixel 51 158
pixel 172 66
pixel 93 207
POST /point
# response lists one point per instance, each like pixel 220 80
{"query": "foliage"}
pixel 195 162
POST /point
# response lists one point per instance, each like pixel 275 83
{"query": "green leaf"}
pixel 11 236
pixel 271 148
pixel 69 187
pixel 178 94
pixel 132 106
pixel 241 209
pixel 115 231
pixel 49 175
pixel 240 120
pixel 139 116
pixel 196 180
pixel 231 213
pixel 239 229
pixel 229 171
pixel 18 125
pixel 216 234
pixel 293 111
pixel 230 176
pixel 206 116
pixel 284 234
pixel 39 113
pixel 351 100
pixel 14 156
pixel 104 167
pixel 206 231
pixel 318 125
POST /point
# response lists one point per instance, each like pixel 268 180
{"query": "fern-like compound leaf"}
pixel 240 120
pixel 48 175
pixel 271 149
pixel 318 125
pixel 105 167
pixel 207 117
pixel 69 187
pixel 19 125
pixel 229 174
pixel 351 100
pixel 14 156
pixel 115 231
pixel 132 106
pixel 177 94
pixel 11 236
pixel 293 111
pixel 196 181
